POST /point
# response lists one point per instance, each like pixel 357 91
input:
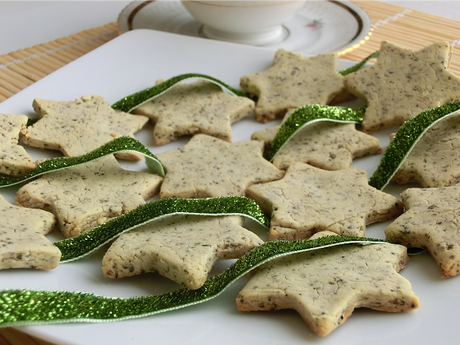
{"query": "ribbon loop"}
pixel 307 115
pixel 131 102
pixel 405 139
pixel 120 144
pixel 82 245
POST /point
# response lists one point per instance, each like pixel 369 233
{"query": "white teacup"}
pixel 247 22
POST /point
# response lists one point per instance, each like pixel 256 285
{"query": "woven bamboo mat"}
pixel 408 28
pixel 24 67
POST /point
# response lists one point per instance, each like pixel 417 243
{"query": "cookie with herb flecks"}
pixel 14 160
pixel 22 238
pixel 326 145
pixel 198 107
pixel 182 248
pixel 87 195
pixel 431 221
pixel 80 126
pixel 309 200
pixel 210 167
pixel 404 83
pixel 434 160
pixel 325 286
pixel 292 81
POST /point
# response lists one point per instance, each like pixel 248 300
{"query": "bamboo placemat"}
pixel 24 67
pixel 408 28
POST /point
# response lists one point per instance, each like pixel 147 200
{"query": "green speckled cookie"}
pixel 22 240
pixel 325 286
pixel 182 248
pixel 198 107
pixel 14 160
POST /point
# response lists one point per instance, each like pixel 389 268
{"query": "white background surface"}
pixel 27 23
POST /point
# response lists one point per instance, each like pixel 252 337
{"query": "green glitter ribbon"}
pixel 307 115
pixel 416 251
pixel 359 65
pixel 131 102
pixel 31 307
pixel 31 121
pixel 79 246
pixel 405 139
pixel 120 144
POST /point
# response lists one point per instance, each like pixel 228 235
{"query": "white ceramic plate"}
pixel 131 63
pixel 319 26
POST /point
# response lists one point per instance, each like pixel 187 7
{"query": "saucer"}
pixel 318 27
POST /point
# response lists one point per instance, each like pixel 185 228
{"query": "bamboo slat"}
pixel 23 67
pixel 408 28
pixel 18 80
pixel 18 70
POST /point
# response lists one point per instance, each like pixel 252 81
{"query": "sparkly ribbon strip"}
pixel 31 121
pixel 29 307
pixel 131 102
pixel 79 246
pixel 307 115
pixel 405 139
pixel 313 113
pixel 359 65
pixel 120 144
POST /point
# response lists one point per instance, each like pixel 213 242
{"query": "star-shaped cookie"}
pixel 293 81
pixel 434 161
pixel 326 285
pixel 14 160
pixel 198 107
pixel 22 238
pixel 210 167
pixel 80 126
pixel 403 83
pixel 431 221
pixel 326 145
pixel 308 200
pixel 85 196
pixel 182 248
